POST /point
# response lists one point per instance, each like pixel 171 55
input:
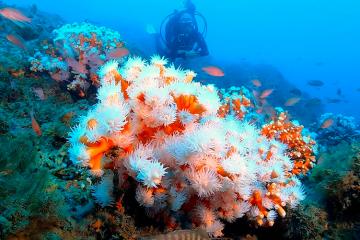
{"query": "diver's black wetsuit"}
pixel 183 38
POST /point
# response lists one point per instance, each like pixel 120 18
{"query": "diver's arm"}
pixel 202 47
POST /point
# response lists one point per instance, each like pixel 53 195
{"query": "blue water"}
pixel 303 39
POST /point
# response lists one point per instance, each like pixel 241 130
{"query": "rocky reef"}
pixel 152 165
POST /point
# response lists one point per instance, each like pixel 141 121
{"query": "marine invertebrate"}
pixel 290 133
pixel 76 52
pixel 187 154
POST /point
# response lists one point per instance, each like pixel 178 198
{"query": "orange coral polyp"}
pixel 223 110
pixel 190 103
pixel 189 78
pixel 147 134
pixel 176 126
pixel 256 200
pixel 280 210
pixel 169 80
pixel 101 146
pixel 92 123
pixel 124 86
pixel 95 162
pixel 221 171
pixel 162 70
pixel 231 151
pixel 96 151
pixel 288 133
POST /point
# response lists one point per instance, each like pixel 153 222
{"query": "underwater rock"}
pixel 343 193
pixel 74 53
pixel 83 210
pixel 344 197
pixel 4 127
pixel 67 174
pixel 23 201
pixel 58 141
pixel 335 128
pixel 307 222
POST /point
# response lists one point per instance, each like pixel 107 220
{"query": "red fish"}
pixel 14 15
pixel 292 101
pixel 327 123
pixel 16 40
pixel 35 125
pixel 266 93
pixel 117 53
pixel 81 93
pixel 213 71
pixel 17 73
pixel 256 83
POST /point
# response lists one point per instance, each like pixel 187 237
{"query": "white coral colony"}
pixel 184 154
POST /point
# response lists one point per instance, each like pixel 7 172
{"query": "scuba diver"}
pixel 182 37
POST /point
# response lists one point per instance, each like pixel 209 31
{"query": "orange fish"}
pixel 97 225
pixel 117 53
pixel 16 40
pixel 14 15
pixel 81 93
pixel 213 71
pixel 35 125
pixel 256 83
pixel 266 93
pixel 292 101
pixel 327 123
pixel 66 118
pixel 17 73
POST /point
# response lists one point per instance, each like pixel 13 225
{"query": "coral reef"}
pixel 335 128
pixel 305 223
pixel 333 187
pixel 74 54
pixel 39 184
pixel 24 201
pixel 189 151
pixel 18 39
pixel 190 155
pixel 344 196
